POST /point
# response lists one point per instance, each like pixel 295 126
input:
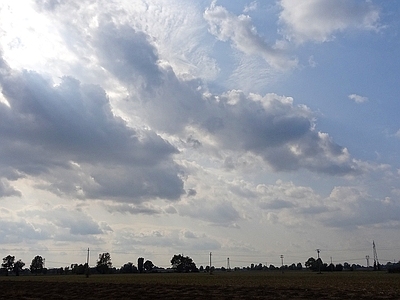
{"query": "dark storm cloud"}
pixel 67 133
pixel 127 54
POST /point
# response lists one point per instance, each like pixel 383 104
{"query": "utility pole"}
pixel 228 266
pixel 210 263
pixel 367 258
pixel 282 262
pixel 319 261
pixel 87 263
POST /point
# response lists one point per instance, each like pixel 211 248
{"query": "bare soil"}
pixel 234 285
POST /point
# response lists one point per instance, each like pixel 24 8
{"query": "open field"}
pixel 233 285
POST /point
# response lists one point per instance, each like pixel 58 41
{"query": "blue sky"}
pixel 249 129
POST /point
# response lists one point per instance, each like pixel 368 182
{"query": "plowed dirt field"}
pixel 233 285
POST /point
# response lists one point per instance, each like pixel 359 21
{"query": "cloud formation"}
pixel 357 98
pixel 270 126
pixel 148 127
pixel 240 31
pixel 319 20
pixel 68 135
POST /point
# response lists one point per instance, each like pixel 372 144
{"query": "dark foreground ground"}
pixel 233 285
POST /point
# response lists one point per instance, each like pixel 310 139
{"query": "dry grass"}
pixel 233 285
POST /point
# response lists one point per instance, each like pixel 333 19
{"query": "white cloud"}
pixel 128 239
pixel 252 6
pixel 319 20
pixel 242 34
pixel 222 213
pixel 356 208
pixel 347 207
pixel 357 98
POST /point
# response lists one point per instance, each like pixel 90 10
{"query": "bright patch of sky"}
pixel 151 128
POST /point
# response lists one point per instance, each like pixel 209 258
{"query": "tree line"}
pixel 11 265
pixel 179 263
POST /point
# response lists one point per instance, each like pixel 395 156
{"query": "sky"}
pixel 248 129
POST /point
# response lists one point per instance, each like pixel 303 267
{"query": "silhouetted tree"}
pixel 330 267
pixel 78 269
pixel 310 263
pixel 104 263
pixel 37 265
pixel 393 268
pixel 339 267
pixel 315 264
pixel 183 263
pixel 128 268
pixel 148 265
pixel 18 265
pixel 140 263
pixel 8 263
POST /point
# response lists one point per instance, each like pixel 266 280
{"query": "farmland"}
pixel 221 285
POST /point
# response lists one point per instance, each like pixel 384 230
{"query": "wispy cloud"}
pixel 357 98
pixel 243 35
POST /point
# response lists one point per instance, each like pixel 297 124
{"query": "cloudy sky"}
pixel 248 129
